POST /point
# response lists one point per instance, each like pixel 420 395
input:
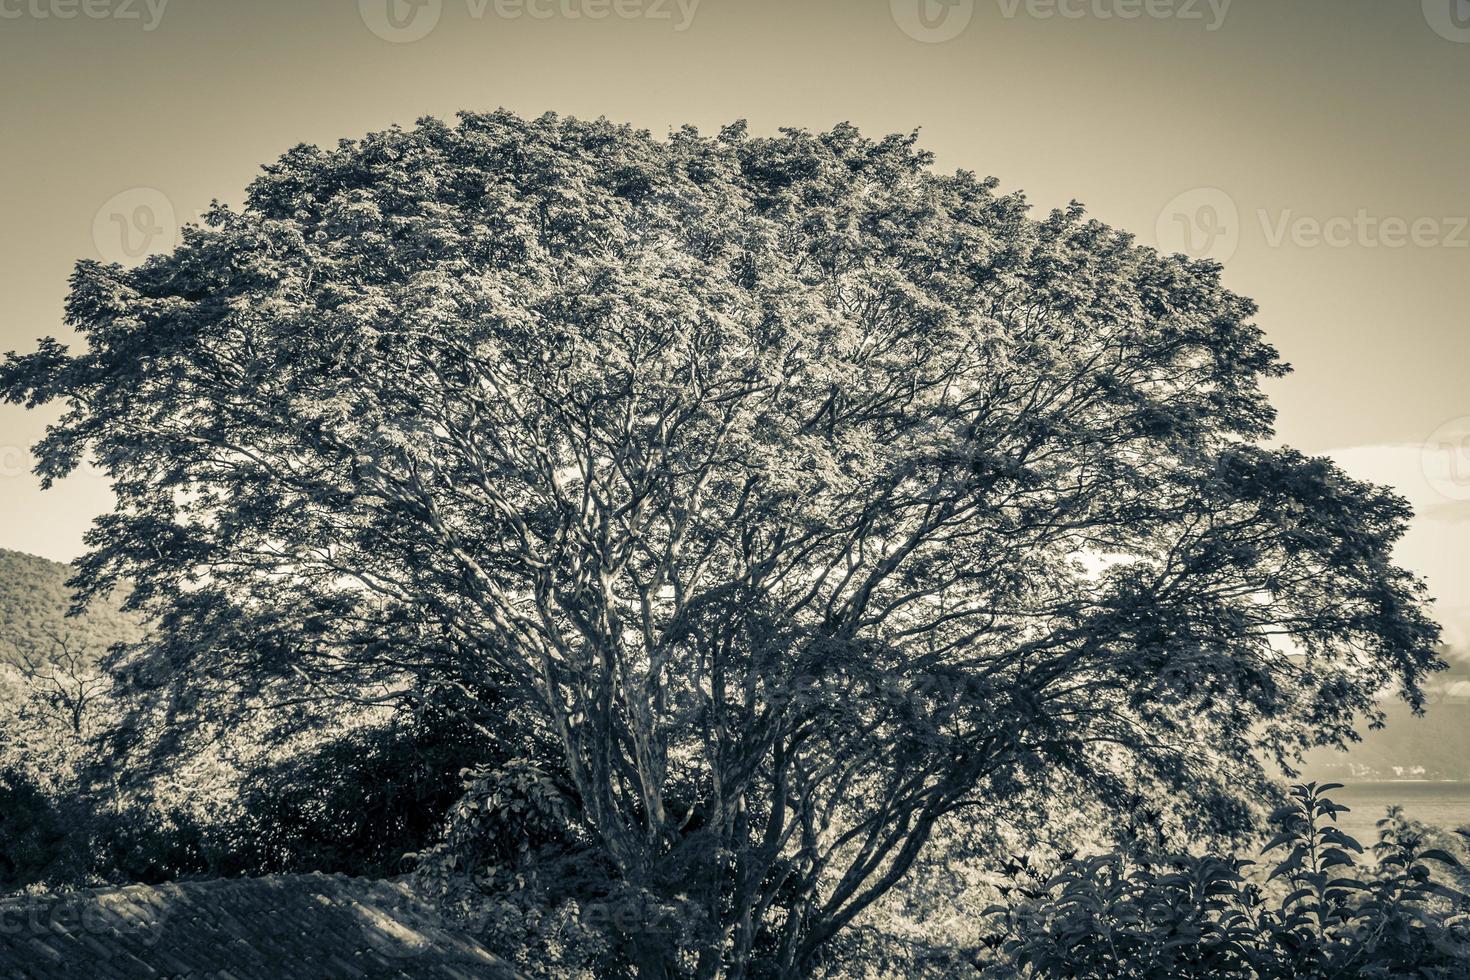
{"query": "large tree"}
pixel 797 495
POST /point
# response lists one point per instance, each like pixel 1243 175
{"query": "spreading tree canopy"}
pixel 792 495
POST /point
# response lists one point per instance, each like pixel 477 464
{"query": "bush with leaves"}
pixel 35 846
pixel 351 794
pixel 44 748
pixel 510 866
pixel 1318 911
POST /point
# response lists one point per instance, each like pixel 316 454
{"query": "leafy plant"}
pixel 1316 911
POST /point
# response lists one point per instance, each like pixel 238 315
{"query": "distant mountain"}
pixel 34 599
pixel 1435 746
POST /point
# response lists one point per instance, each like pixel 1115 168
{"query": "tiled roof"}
pixel 282 928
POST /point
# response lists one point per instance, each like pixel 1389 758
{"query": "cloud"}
pixel 1448 512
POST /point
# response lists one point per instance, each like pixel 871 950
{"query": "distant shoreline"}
pixel 1385 779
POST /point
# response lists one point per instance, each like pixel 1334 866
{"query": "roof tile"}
pixel 280 927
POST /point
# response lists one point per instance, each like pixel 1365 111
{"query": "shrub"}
pixel 1317 911
pixel 35 846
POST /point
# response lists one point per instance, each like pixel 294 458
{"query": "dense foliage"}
pixel 1318 911
pixel 775 499
pixel 351 793
pixel 34 600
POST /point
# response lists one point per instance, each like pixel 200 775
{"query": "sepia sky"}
pixel 1320 148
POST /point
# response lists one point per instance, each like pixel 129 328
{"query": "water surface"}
pixel 1442 804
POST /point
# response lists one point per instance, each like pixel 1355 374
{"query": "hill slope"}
pixel 34 599
pixel 1435 746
